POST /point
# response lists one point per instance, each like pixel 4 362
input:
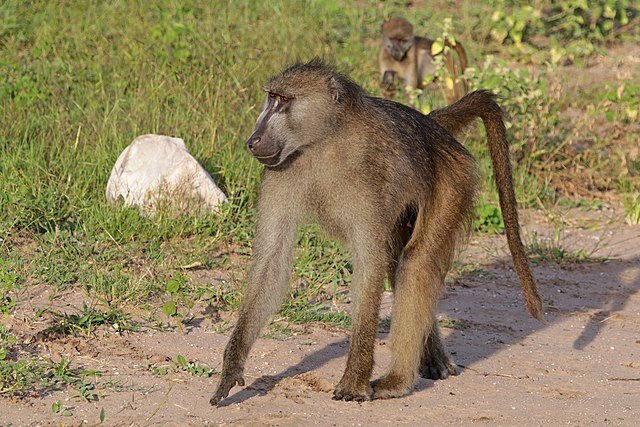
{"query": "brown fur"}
pixel 391 183
pixel 408 57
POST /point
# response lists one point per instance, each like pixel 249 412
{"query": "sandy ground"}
pixel 580 367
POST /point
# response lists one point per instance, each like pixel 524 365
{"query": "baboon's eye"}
pixel 272 95
pixel 284 98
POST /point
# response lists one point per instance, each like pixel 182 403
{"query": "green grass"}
pixel 34 377
pixel 80 80
pixel 86 321
pixel 631 199
pixel 631 202
pixel 553 249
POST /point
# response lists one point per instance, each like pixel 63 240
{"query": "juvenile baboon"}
pixel 409 57
pixel 391 183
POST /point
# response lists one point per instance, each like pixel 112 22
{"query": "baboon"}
pixel 396 188
pixel 409 57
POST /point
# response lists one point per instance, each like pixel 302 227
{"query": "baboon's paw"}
pixel 433 368
pixel 227 381
pixel 391 386
pixel 352 392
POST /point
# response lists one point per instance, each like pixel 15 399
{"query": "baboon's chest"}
pixel 332 211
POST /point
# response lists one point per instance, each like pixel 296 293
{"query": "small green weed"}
pixel 585 205
pixel 194 368
pixel 457 324
pixel 630 201
pixel 57 408
pixel 6 341
pixel 31 377
pixel 86 321
pixel 278 331
pixel 551 250
pixel 86 391
pixel 181 364
pixel 175 289
pixel 304 311
pixel 488 219
pixel 10 279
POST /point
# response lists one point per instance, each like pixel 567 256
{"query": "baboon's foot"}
pixel 437 366
pixel 391 386
pixel 227 381
pixel 352 390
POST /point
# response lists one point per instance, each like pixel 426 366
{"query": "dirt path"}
pixel 580 367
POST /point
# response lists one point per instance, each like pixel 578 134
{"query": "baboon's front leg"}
pixel 411 79
pixel 387 84
pixel 368 284
pixel 267 284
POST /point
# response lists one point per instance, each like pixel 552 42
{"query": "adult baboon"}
pixel 391 183
pixel 409 57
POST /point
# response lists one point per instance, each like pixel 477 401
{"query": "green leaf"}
pixel 101 415
pixel 181 360
pixel 169 308
pixel 173 286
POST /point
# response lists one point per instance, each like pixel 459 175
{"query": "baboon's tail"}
pixel 456 117
pixel 457 69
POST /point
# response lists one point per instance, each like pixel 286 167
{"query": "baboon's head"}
pixel 305 104
pixel 397 37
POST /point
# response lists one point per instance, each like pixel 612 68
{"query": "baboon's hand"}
pixel 227 381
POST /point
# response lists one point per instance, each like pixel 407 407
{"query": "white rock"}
pixel 157 171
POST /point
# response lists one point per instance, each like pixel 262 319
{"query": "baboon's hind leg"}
pixel 419 280
pixel 435 363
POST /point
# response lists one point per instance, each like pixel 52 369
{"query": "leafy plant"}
pixel 86 321
pixel 10 279
pixel 32 377
pixel 551 250
pixel 630 201
pixel 303 311
pixel 86 391
pixel 594 20
pixel 57 408
pixel 488 219
pixel 6 341
pixel 176 289
pixel 181 364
